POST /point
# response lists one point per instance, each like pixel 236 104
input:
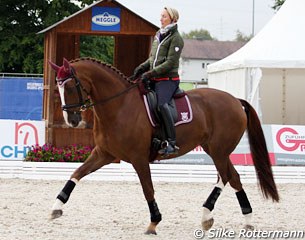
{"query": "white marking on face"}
pixel 61 90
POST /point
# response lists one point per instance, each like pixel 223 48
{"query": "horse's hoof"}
pixel 149 232
pixel 249 227
pixel 151 229
pixel 206 225
pixel 56 214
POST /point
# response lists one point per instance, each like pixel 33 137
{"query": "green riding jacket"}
pixel 164 56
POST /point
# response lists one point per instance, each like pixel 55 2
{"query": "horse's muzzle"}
pixel 74 118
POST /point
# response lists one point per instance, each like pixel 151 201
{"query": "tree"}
pixel 277 4
pixel 240 37
pixel 21 48
pixel 99 47
pixel 200 34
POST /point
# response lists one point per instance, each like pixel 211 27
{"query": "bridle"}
pixel 84 104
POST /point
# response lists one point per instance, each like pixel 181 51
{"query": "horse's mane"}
pixel 99 62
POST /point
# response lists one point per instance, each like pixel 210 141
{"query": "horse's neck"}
pixel 106 83
pixel 109 91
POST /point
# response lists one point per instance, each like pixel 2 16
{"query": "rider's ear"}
pixel 66 65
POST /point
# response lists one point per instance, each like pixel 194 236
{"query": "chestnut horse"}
pixel 122 130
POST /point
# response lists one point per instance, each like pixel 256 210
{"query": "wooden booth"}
pixel 133 36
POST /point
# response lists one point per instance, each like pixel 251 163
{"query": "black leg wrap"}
pixel 155 215
pixel 66 191
pixel 210 202
pixel 244 202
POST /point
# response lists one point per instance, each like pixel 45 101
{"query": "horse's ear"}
pixel 54 66
pixel 66 65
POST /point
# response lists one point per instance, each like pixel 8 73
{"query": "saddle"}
pixel 180 108
pixel 181 111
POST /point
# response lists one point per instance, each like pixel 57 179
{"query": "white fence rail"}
pixel 125 172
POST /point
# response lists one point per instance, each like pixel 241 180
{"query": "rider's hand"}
pixel 146 76
pixel 138 71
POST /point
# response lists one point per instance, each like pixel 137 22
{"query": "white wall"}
pixel 192 69
pixel 231 81
pixel 282 93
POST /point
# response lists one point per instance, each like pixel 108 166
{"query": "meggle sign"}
pixel 106 19
pixel 18 136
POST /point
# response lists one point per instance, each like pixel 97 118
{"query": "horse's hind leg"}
pixel 96 160
pixel 242 198
pixel 226 173
pixel 208 206
pixel 221 162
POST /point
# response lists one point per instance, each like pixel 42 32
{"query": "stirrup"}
pixel 168 149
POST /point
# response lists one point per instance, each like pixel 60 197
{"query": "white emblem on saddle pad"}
pixel 177 49
pixel 184 116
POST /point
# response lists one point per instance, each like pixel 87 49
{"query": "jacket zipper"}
pixel 159 45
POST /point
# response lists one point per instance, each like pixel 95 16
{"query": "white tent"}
pixel 269 71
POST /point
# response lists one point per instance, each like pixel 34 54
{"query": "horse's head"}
pixel 73 95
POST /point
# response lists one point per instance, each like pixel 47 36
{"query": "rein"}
pixel 85 104
pixel 104 101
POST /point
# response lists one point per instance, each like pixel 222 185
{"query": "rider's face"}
pixel 165 18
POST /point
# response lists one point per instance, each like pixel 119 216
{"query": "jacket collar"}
pixel 169 31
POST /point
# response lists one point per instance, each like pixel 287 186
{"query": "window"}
pixel 204 80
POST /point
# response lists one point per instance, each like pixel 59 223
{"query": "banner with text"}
pixel 106 19
pixel 289 144
pixel 286 144
pixel 18 136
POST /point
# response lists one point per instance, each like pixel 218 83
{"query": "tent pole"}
pixel 284 96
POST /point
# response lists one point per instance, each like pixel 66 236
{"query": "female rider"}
pixel 162 69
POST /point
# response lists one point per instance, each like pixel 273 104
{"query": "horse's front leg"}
pixel 96 160
pixel 143 170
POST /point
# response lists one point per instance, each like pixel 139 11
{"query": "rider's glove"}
pixel 138 71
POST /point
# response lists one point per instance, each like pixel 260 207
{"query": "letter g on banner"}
pixel 288 143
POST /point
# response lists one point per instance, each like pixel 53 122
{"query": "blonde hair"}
pixel 173 13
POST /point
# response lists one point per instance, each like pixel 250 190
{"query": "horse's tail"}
pixel 259 153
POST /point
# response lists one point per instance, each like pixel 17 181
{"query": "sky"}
pixel 222 18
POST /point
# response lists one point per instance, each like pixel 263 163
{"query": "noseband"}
pixel 83 105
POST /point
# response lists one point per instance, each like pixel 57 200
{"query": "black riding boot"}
pixel 168 121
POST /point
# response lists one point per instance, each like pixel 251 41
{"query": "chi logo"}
pixel 184 116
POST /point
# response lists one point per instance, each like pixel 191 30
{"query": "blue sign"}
pixel 106 19
pixel 21 98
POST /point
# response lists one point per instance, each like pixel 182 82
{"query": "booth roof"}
pixel 84 9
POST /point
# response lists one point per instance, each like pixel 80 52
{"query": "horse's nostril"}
pixel 74 119
pixel 74 123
